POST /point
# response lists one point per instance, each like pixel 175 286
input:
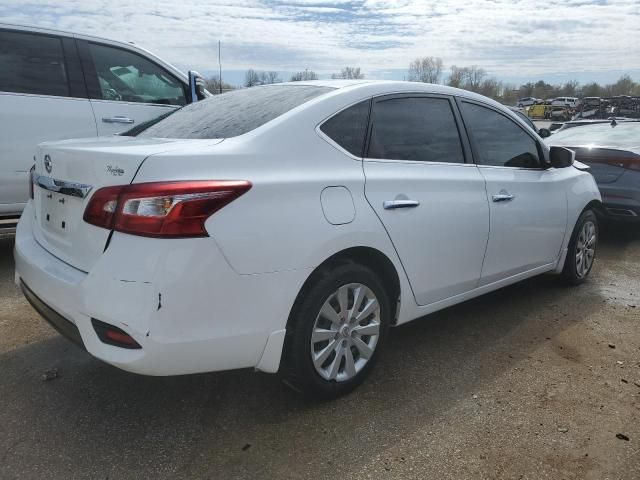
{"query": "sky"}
pixel 514 40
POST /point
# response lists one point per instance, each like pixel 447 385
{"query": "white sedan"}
pixel 286 227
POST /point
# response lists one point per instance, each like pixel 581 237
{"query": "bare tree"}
pixel 570 89
pixel 304 76
pixel 213 85
pixel 251 78
pixel 490 87
pixel 456 78
pixel 426 70
pixel 273 77
pixel 348 73
pixel 624 86
pixel 256 77
pixel 474 77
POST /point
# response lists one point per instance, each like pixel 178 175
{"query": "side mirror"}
pixel 196 86
pixel 561 157
pixel 544 132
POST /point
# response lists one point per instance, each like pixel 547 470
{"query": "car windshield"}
pixel 234 113
pixel 622 135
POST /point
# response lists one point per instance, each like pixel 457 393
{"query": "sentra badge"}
pixel 115 171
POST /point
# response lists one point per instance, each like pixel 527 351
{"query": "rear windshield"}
pixel 234 113
pixel 625 134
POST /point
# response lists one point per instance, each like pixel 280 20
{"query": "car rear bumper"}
pixel 178 299
pixel 63 326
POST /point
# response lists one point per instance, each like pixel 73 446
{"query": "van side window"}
pixel 128 77
pixel 32 63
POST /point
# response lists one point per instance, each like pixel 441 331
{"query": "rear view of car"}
pixel 286 227
pixel 612 150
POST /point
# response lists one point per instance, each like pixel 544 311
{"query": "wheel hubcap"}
pixel 585 249
pixel 345 332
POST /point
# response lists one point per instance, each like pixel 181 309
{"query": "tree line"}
pixel 258 77
pixel 473 78
pixel 477 79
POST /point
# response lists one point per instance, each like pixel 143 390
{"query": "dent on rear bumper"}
pixel 179 299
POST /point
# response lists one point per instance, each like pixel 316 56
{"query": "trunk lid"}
pixel 68 173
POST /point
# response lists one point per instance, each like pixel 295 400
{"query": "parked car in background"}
pixel 543 132
pixel 527 101
pixel 612 150
pixel 57 85
pixel 580 122
pixel 572 102
pixel 240 231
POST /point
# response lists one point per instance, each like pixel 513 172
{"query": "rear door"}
pixel 528 203
pixel 127 88
pixel 432 203
pixel 42 97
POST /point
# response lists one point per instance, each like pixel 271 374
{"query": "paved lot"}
pixel 522 383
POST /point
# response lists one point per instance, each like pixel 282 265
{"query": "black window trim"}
pixel 335 144
pixel 466 149
pixel 542 153
pixel 65 46
pixel 91 76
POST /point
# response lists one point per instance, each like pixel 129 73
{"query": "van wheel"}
pixel 581 252
pixel 336 331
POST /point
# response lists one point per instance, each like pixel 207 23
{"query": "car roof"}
pixel 378 87
pixel 104 40
pixel 67 33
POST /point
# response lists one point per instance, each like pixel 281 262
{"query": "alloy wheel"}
pixel 345 332
pixel 585 248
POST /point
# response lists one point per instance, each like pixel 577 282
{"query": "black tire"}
pixel 298 370
pixel 570 272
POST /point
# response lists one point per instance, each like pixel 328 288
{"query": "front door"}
pixel 432 204
pixel 127 89
pixel 528 203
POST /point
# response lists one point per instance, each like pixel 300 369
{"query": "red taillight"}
pixel 112 335
pixel 162 209
pixel 32 172
pixel 119 337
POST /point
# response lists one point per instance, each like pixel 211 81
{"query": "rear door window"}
pixel 129 77
pixel 32 63
pixel 349 128
pixel 499 141
pixel 415 128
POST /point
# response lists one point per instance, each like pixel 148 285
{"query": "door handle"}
pixel 117 119
pixel 503 197
pixel 393 204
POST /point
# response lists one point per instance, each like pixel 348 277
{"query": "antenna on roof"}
pixel 220 65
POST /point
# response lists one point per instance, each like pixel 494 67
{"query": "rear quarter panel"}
pixel 279 224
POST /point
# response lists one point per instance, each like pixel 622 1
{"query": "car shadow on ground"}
pixel 95 417
pixel 619 233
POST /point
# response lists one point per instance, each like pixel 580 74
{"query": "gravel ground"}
pixel 532 382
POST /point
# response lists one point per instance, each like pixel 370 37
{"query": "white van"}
pixel 566 102
pixel 58 85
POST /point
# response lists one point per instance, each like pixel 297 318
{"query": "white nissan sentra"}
pixel 286 227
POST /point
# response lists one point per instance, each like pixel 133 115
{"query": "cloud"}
pixel 505 37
